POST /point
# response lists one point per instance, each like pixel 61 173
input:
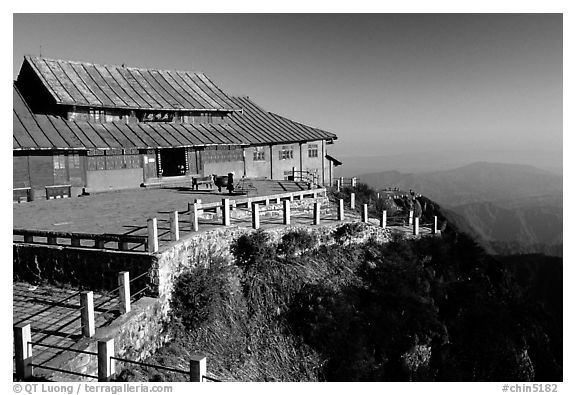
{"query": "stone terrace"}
pixel 126 212
pixel 123 211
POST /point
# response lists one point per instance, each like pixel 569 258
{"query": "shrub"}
pixel 200 294
pixel 252 249
pixel 296 241
pixel 348 231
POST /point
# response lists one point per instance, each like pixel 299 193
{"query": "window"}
pixel 74 161
pixel 259 153
pixel 222 154
pixel 287 152
pixel 97 115
pixel 59 162
pixel 312 150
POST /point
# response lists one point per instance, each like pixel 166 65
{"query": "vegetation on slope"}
pixel 427 309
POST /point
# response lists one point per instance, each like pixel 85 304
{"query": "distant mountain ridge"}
pixel 510 207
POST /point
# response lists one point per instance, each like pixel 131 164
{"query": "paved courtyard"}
pixel 122 212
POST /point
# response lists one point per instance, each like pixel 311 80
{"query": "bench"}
pixel 58 191
pixel 197 181
pixel 22 194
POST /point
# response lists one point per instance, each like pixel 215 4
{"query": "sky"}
pixel 385 84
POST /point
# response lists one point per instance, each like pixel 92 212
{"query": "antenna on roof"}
pixel 122 65
pixel 40 50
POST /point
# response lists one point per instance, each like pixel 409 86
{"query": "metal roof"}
pixel 106 86
pixel 260 126
pixel 39 131
pixel 333 160
pixel 254 126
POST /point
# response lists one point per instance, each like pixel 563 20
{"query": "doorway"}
pixel 173 162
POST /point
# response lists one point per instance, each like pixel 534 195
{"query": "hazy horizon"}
pixel 386 84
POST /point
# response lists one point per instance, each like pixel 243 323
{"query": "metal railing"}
pixel 52 368
pixel 77 239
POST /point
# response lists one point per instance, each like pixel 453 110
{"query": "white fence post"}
pixel 352 201
pixel 338 185
pixel 383 220
pixel 286 212
pixel 23 351
pixel 174 228
pixel 341 210
pixel 256 216
pixel 152 235
pixel 435 226
pixel 416 228
pixel 124 290
pixel 197 368
pixel 365 213
pixel 106 365
pixel 353 182
pixel 193 210
pixel 316 213
pixel 87 313
pixel 410 217
pixel 226 212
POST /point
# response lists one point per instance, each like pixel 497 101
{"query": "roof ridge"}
pixel 114 65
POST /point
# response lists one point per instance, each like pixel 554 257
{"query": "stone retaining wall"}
pixel 90 269
pixel 196 250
